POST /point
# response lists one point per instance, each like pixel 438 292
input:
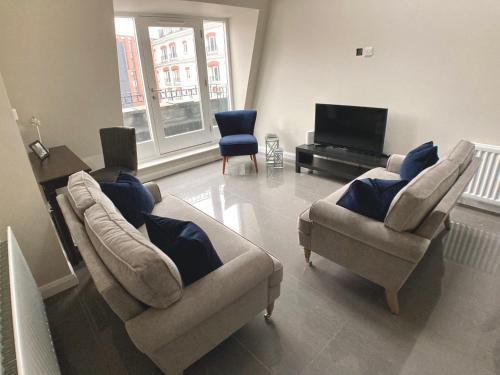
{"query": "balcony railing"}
pixel 131 100
pixel 177 94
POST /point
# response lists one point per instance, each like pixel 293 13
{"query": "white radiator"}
pixel 484 189
pixel 473 247
pixel 26 342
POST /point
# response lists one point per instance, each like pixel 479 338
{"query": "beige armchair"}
pixel 388 252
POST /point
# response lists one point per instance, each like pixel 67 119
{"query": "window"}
pixel 133 74
pixel 131 82
pixel 175 72
pixel 173 50
pixel 213 71
pixel 166 71
pixel 163 53
pixel 211 42
pixel 172 104
pixel 217 67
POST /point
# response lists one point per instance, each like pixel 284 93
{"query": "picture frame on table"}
pixel 40 150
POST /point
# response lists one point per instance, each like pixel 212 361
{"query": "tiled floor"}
pixel 327 320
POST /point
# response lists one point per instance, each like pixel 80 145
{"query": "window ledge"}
pixel 180 161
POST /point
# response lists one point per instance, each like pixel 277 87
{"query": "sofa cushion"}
pixel 130 197
pixel 239 144
pixel 412 204
pixel 371 197
pixel 378 172
pixel 186 244
pixel 228 243
pixel 462 154
pixel 417 160
pixel 139 266
pixel 83 191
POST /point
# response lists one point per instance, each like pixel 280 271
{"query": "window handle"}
pixel 154 91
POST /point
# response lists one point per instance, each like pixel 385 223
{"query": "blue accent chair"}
pixel 237 139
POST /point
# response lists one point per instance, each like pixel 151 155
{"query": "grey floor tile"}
pixel 303 322
pixel 228 358
pixel 327 320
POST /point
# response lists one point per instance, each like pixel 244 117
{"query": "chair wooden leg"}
pixel 269 311
pixel 307 254
pixel 392 300
pixel 224 161
pixel 254 158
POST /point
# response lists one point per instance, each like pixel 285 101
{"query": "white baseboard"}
pixel 176 165
pixel 290 156
pixel 59 285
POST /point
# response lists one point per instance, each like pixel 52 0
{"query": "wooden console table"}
pixel 336 161
pixel 52 174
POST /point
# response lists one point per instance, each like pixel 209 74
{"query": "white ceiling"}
pixel 182 7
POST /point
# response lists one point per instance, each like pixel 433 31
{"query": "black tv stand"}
pixel 339 162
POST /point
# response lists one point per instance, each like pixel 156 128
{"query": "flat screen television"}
pixel 359 129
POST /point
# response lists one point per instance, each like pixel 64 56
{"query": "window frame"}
pixel 227 47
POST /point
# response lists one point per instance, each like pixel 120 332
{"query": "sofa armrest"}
pixel 200 300
pixel 394 163
pixel 404 245
pixel 154 190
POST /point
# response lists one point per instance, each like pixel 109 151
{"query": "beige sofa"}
pixel 173 325
pixel 387 252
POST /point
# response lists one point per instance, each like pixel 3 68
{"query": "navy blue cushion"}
pixel 371 197
pixel 240 144
pixel 130 197
pixel 418 159
pixel 186 244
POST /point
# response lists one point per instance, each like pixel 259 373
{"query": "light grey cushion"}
pixel 83 191
pixel 429 227
pixel 412 204
pixel 120 301
pixel 462 154
pixel 140 267
pixel 394 163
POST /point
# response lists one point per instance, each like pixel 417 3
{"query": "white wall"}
pixel 21 204
pixel 436 67
pixel 59 63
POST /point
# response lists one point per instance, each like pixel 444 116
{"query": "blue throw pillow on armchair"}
pixel 371 197
pixel 418 159
pixel 186 244
pixel 130 196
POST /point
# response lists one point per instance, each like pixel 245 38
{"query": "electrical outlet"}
pixel 359 51
pixel 368 51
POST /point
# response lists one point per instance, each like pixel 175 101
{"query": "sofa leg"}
pixel 307 254
pixel 269 311
pixel 254 159
pixel 392 300
pixel 224 161
pixel 447 223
